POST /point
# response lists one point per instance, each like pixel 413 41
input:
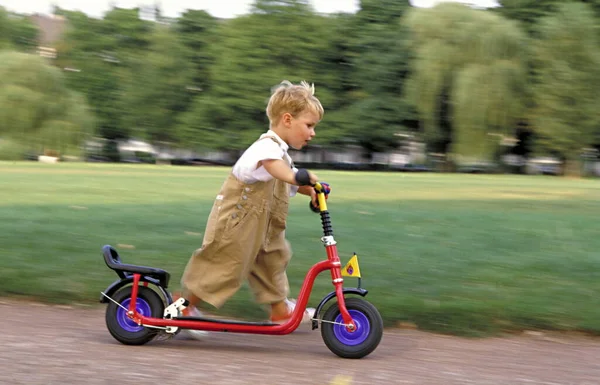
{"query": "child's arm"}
pixel 279 169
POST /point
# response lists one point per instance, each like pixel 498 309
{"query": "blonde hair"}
pixel 294 99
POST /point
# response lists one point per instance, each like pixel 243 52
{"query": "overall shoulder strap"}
pixel 287 157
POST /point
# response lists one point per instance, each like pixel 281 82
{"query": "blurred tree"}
pixel 128 32
pixel 380 68
pixel 594 4
pixel 284 7
pixel 528 12
pixel 23 33
pixel 66 133
pixel 37 109
pixel 138 75
pixel 334 74
pixel 17 32
pixel 101 55
pixel 83 33
pixel 381 11
pixel 197 31
pixel 566 116
pixel 4 29
pixel 278 40
pixel 158 88
pixel 469 79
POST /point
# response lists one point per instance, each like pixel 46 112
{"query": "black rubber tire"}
pixel 371 341
pixel 144 335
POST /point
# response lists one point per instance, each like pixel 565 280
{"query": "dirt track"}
pixel 60 345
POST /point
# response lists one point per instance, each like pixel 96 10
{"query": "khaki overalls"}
pixel 244 239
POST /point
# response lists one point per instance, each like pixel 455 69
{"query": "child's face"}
pixel 301 129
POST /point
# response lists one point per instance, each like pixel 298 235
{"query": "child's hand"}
pixel 313 196
pixel 313 178
pixel 326 189
pixel 313 199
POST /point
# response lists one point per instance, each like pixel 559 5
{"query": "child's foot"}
pixel 192 311
pixel 290 306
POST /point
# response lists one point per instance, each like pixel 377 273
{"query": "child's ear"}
pixel 287 118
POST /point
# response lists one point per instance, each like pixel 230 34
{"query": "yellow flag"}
pixel 351 269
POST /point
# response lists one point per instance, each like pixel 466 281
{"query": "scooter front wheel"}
pixel 123 328
pixel 359 342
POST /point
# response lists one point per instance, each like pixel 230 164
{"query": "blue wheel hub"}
pixel 358 335
pixel 126 323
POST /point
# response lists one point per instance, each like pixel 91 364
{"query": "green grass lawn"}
pixel 462 254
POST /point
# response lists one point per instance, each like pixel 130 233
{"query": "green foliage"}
pixel 458 78
pixel 17 32
pixel 529 12
pixel 36 108
pixel 21 32
pixel 335 79
pixel 96 71
pixel 381 64
pixel 197 32
pixel 30 93
pixel 247 65
pixel 567 79
pixel 376 120
pixel 4 29
pixel 382 12
pixel 13 150
pixel 108 56
pixel 470 70
pixel 129 33
pixel 158 89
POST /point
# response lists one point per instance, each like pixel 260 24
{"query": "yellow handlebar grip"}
pixel 321 197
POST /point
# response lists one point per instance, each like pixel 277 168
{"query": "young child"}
pixel 245 233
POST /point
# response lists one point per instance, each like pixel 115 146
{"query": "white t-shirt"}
pixel 245 168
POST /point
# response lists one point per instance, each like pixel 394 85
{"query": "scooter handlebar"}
pixel 323 191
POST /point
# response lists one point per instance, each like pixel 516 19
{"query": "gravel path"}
pixel 43 344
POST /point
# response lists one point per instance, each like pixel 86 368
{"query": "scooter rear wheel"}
pixel 123 328
pixel 352 344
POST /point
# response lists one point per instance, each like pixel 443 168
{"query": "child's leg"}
pixel 268 279
pixel 212 280
pixel 217 270
pixel 191 297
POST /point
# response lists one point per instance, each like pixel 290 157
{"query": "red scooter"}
pixel 140 308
